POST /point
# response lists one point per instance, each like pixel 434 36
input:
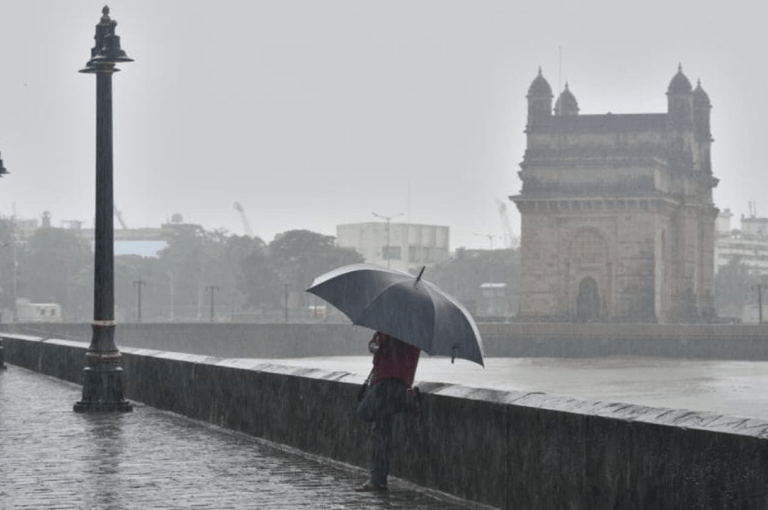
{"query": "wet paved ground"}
pixel 51 457
pixel 735 388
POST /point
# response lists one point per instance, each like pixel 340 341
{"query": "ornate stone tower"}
pixel 617 215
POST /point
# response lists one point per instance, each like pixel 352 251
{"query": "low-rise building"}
pixel 749 243
pixel 402 246
pixel 27 311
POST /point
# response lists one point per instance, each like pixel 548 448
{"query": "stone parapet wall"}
pixel 506 449
pixel 227 340
pixel 707 341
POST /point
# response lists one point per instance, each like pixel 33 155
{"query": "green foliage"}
pixel 734 288
pixel 299 256
pixel 196 264
pixel 462 276
pixel 6 264
pixel 246 275
pixel 259 281
pixel 50 266
pixel 132 271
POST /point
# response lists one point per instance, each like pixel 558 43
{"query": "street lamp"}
pixel 170 276
pixel 285 308
pixel 103 375
pixel 388 218
pixel 212 288
pixel 139 284
pixel 760 287
pixel 490 239
pixel 15 268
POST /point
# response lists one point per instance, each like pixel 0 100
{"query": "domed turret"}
pixel 700 98
pixel 680 101
pixel 701 107
pixel 680 83
pixel 540 87
pixel 566 104
pixel 539 101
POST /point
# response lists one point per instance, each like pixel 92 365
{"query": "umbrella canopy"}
pixel 403 306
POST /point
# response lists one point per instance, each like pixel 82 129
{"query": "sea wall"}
pixel 506 449
pixel 708 341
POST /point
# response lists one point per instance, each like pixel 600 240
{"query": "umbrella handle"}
pixel 454 352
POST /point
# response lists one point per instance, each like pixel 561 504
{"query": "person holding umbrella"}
pixel 388 393
pixel 410 315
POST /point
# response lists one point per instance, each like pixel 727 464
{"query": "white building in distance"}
pixel 749 244
pixel 401 246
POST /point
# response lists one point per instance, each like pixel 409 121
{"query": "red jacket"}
pixel 394 359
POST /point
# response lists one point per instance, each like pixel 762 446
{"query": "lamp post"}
pixel 212 288
pixel 170 276
pixel 285 308
pixel 15 275
pixel 388 218
pixel 103 375
pixel 139 283
pixel 760 287
pixel 490 239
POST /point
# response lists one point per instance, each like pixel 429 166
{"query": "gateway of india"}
pixel 617 218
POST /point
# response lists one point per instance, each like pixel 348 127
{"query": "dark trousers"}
pixel 379 405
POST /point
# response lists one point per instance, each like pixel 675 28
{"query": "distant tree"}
pixel 129 271
pixel 7 261
pixel 184 259
pixel 733 288
pixel 463 274
pixel 257 280
pixel 299 256
pixel 80 308
pixel 196 259
pixel 50 268
pixel 236 275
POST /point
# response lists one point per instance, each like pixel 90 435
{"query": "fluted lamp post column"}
pixel 103 375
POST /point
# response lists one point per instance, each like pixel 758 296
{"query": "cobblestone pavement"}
pixel 52 457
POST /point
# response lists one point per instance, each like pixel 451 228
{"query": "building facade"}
pixel 401 246
pixel 748 245
pixel 617 217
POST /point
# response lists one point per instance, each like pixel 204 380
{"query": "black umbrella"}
pixel 403 306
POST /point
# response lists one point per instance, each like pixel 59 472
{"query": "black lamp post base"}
pixel 103 390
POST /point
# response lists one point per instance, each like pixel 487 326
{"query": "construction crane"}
pixel 246 224
pixel 510 239
pixel 119 217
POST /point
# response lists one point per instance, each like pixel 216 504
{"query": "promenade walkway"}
pixel 51 457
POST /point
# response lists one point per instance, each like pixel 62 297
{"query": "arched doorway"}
pixel 588 300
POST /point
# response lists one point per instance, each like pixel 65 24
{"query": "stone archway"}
pixel 588 300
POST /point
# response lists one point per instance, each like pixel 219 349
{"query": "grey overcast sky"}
pixel 315 113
